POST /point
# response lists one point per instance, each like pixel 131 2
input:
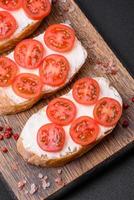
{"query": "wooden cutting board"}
pixel 97 51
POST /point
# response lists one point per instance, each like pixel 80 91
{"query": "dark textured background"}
pixel 114 179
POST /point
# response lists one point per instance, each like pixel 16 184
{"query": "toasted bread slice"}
pixel 11 103
pixel 27 144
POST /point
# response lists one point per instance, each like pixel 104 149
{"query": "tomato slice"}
pixel 107 111
pixel 59 37
pixel 54 70
pixel 29 53
pixel 84 130
pixel 51 137
pixel 61 111
pixel 8 25
pixel 86 91
pixel 37 9
pixel 8 71
pixel 27 85
pixel 11 5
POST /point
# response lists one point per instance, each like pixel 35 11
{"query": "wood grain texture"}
pixel 120 137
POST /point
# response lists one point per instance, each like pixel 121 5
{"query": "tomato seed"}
pixel 125 123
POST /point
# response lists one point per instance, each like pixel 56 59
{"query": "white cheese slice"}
pixel 29 133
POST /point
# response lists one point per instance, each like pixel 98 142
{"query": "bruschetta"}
pixel 38 67
pixel 71 125
pixel 19 18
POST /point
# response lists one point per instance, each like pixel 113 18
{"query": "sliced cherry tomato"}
pixel 37 9
pixel 86 91
pixel 59 37
pixel 61 111
pixel 84 130
pixel 11 4
pixel 27 86
pixel 8 25
pixel 54 70
pixel 107 111
pixel 51 137
pixel 8 71
pixel 29 53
